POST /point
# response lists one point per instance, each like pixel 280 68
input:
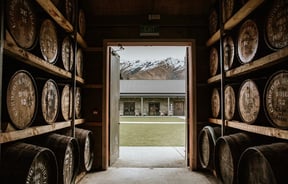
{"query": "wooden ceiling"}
pixel 144 7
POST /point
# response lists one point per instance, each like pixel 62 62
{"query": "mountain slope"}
pixel 166 69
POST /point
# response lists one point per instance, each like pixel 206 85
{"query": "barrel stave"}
pixel 228 150
pixel 206 143
pixel 66 150
pixel 27 163
pixel 264 164
pixel 86 144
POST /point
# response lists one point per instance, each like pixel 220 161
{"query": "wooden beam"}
pixel 268 131
pixel 240 15
pixel 37 130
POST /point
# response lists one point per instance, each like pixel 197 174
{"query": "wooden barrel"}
pixel 228 8
pixel 265 164
pixel 228 50
pixel 66 150
pixel 276 99
pixel 249 101
pixel 214 61
pixel 230 102
pixel 213 21
pixel 69 12
pixel 215 103
pixel 50 101
pixel 48 40
pixel 21 99
pixel 22 23
pixel 276 29
pixel 67 53
pixel 82 22
pixel 79 65
pixel 27 163
pixel 247 41
pixel 66 102
pixel 78 102
pixel 206 143
pixel 86 144
pixel 228 150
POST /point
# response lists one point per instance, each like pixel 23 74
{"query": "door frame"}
pixel 191 114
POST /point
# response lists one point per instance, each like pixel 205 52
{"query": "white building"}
pixel 152 97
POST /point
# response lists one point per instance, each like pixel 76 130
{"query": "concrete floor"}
pixel 151 157
pixel 149 165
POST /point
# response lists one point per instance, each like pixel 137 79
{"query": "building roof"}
pixel 152 87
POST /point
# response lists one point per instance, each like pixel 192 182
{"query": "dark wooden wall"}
pixel 128 27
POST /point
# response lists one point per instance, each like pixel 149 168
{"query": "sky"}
pixel 132 53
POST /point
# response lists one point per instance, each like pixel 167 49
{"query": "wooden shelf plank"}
pixel 267 131
pixel 213 39
pixel 32 60
pixel 50 8
pixel 242 13
pixel 37 130
pixel 236 19
pixel 13 50
pixel 215 121
pixel 81 41
pixel 261 63
pixel 80 176
pixel 264 62
pixel 214 79
pixel 80 80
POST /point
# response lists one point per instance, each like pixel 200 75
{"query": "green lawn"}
pixel 148 134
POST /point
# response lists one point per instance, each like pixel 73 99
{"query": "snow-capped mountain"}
pixel 166 69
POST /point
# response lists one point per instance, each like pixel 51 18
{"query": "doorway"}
pixel 129 109
pixel 187 107
pixel 154 109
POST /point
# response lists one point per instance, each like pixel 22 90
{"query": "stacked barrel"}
pixel 39 95
pixel 257 97
pixel 35 97
pixel 258 91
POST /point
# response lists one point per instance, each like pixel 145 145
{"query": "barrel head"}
pixel 248 40
pixel 276 29
pixel 21 99
pixel 22 23
pixel 48 41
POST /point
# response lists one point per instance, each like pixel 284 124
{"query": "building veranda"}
pixel 152 97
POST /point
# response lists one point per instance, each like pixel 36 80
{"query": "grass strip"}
pixel 151 119
pixel 143 134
